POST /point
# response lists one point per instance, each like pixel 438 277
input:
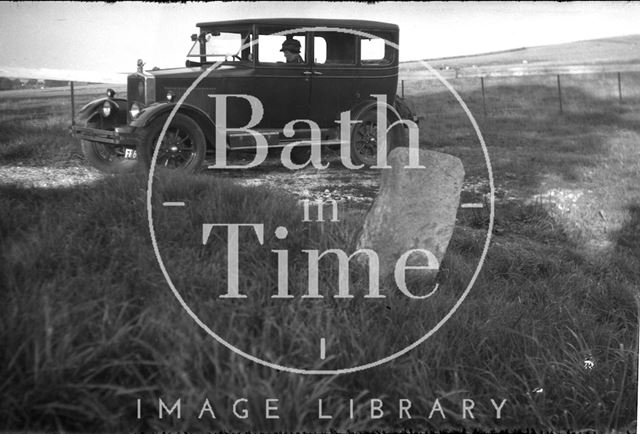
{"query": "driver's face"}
pixel 290 56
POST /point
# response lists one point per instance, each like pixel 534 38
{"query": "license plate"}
pixel 131 154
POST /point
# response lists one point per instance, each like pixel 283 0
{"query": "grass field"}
pixel 88 325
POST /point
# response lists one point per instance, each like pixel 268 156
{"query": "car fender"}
pixel 155 111
pixel 371 104
pixel 91 111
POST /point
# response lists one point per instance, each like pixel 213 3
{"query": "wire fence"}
pixel 504 95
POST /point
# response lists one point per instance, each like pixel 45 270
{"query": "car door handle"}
pixel 307 72
pixel 317 73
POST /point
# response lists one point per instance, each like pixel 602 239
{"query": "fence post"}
pixel 619 87
pixel 484 103
pixel 559 94
pixel 73 103
pixel 402 88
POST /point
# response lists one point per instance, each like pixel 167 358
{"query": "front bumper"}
pixel 121 136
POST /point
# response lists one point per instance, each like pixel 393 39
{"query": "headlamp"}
pixel 135 110
pixel 106 109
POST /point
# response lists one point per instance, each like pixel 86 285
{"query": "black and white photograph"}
pixel 319 216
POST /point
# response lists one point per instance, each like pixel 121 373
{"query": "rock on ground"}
pixel 415 209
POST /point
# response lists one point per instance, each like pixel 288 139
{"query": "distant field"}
pixel 607 51
pixel 63 92
pixel 88 325
pixel 35 124
pixel 536 92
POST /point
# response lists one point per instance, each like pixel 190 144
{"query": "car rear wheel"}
pixel 183 146
pixel 300 155
pixel 109 159
pixel 364 138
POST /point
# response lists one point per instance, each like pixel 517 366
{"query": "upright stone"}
pixel 415 209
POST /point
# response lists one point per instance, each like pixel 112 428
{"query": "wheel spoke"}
pixel 187 156
pixel 181 146
pixel 367 128
pixel 180 141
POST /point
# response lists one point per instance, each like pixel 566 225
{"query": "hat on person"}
pixel 291 45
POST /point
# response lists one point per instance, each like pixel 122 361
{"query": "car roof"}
pixel 304 22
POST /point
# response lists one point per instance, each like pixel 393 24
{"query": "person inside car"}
pixel 291 50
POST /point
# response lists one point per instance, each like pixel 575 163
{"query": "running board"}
pixel 283 143
pixel 246 141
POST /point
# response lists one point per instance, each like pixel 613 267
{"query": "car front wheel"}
pixel 183 146
pixel 108 159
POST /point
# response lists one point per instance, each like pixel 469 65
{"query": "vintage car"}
pixel 340 65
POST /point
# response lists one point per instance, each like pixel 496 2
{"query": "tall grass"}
pixel 88 325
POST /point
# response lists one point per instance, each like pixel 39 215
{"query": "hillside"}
pixel 572 57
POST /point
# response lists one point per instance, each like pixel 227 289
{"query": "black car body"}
pixel 343 64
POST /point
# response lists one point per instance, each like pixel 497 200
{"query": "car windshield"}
pixel 214 46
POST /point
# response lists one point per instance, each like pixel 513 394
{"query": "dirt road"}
pixel 355 187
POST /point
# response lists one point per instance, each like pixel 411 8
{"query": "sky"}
pixel 111 37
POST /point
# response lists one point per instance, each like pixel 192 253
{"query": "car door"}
pixel 335 76
pixel 283 88
pixel 347 69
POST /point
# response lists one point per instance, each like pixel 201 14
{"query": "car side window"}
pixel 334 48
pixel 375 51
pixel 215 46
pixel 270 46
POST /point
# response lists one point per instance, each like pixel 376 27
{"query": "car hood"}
pixel 222 70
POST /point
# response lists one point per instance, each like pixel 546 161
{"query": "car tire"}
pixel 108 159
pixel 364 141
pixel 183 146
pixel 300 154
